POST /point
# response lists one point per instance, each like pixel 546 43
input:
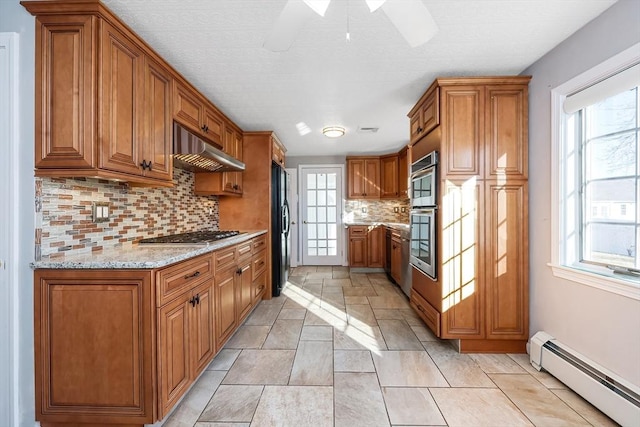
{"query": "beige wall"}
pixel 603 326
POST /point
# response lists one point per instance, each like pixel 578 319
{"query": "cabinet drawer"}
pixel 357 230
pixel 427 313
pixel 259 285
pixel 259 264
pixel 244 249
pixel 259 243
pixel 428 288
pixel 224 258
pixel 181 277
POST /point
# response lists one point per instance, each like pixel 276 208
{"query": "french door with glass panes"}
pixel 321 215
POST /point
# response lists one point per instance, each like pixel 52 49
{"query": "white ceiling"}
pixel 372 81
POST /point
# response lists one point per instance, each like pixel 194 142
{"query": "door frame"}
pixel 294 204
pixel 341 204
pixel 9 248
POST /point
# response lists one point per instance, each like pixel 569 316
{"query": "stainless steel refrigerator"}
pixel 280 228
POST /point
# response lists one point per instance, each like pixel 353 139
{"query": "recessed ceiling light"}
pixel 333 131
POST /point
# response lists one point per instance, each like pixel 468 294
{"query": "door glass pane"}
pixel 322 181
pixel 311 197
pixel 331 215
pixel 331 231
pixel 331 198
pixel 311 214
pixel 311 181
pixel 331 180
pixel 322 214
pixel 311 231
pixel 322 231
pixel 322 198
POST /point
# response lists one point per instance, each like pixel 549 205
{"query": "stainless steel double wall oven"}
pixel 424 197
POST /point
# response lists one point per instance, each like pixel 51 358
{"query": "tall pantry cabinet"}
pixel 479 127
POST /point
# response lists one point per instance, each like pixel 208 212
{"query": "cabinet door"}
pixel 389 177
pixel 173 351
pixel 396 260
pixel 507 128
pixel 188 108
pixel 372 179
pixel 237 142
pixel 431 111
pixel 202 327
pixel 244 296
pixel 507 255
pixel 229 147
pixel 157 120
pixel 93 346
pixel 358 251
pixel 415 126
pixel 122 90
pixel 462 130
pixel 403 173
pixel 375 247
pixel 225 305
pixel 462 259
pixel 213 125
pixel 65 132
pixel 355 178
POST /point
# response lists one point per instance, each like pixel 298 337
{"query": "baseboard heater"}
pixel 613 396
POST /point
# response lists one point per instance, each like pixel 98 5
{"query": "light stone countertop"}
pixel 145 256
pixel 396 225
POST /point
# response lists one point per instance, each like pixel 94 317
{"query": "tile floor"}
pixel 345 349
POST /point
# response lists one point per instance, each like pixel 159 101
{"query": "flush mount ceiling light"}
pixel 333 131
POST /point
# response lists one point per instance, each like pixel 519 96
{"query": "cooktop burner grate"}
pixel 203 236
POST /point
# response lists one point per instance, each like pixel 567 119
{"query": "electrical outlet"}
pixel 403 210
pixel 100 211
pixel 396 209
pixel 364 210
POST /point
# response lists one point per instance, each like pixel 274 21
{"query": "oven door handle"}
pixel 424 211
pixel 422 172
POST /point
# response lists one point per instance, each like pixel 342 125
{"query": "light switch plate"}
pixel 101 211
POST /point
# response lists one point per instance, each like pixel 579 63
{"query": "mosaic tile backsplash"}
pixel 64 213
pixel 376 211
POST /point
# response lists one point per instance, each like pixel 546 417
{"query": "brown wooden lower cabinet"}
pixel 366 246
pixel 123 346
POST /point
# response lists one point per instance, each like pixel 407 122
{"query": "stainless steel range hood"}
pixel 192 153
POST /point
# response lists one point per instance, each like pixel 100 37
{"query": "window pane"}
pixel 322 180
pixel 331 215
pixel 612 115
pixel 322 231
pixel 322 251
pixel 311 181
pixel 313 252
pixel 331 180
pixel 611 156
pixel 605 200
pixel 322 198
pixel 311 231
pixel 332 231
pixel 311 197
pixel 331 198
pixel 311 214
pixel 322 214
pixel 611 244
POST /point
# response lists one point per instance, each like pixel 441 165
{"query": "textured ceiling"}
pixel 372 81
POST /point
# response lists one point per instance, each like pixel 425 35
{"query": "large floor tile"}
pixel 388 313
pixel 459 369
pixel 264 314
pixel 210 424
pixel 392 301
pixel 361 315
pixel 187 413
pixel 329 283
pixel 320 317
pixel 548 380
pixel 340 274
pixel 294 406
pixel 349 300
pixel 316 333
pixel 292 314
pixel 233 403
pixel 359 279
pixel 464 407
pixel 353 361
pixel 358 400
pixel 224 360
pixel 360 291
pixel 248 336
pixel 584 408
pixel 423 333
pixel 362 338
pixel 412 406
pixel 407 368
pixel 497 364
pixel 284 335
pixel 261 367
pixel 313 364
pixel 398 335
pixel 538 403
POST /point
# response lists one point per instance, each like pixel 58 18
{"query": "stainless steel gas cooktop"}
pixel 195 237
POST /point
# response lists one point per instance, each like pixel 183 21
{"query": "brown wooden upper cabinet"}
pixel 96 84
pixel 197 114
pixel 425 115
pixel 363 178
pixel 403 173
pixel 278 151
pixel 389 176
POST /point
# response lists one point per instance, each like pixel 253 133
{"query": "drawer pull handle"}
pixel 239 271
pixel 191 276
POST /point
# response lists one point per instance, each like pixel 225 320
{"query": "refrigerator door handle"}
pixel 286 224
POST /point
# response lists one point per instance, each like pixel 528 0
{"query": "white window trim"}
pixel 600 278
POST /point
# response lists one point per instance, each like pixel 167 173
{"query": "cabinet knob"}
pixel 204 127
pixel 192 301
pixel 197 298
pixel 239 271
pixel 420 129
pixel 146 165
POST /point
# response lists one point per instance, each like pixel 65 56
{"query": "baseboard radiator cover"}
pixel 612 395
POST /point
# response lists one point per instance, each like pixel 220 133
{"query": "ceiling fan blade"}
pixel 291 20
pixel 412 19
